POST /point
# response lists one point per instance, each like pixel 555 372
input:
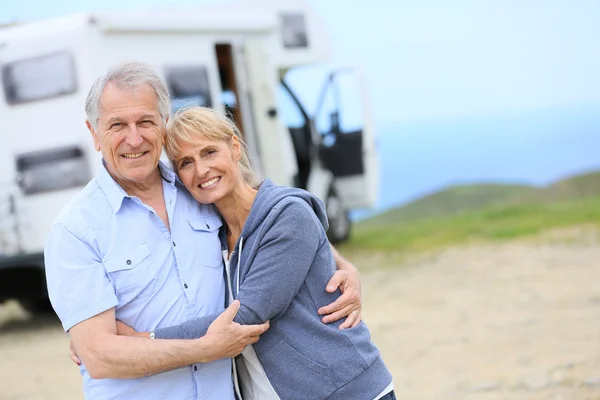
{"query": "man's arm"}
pixel 84 299
pixel 107 355
pixel 349 303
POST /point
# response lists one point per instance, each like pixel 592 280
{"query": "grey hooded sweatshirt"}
pixel 279 270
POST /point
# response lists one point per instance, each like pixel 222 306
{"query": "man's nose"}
pixel 134 137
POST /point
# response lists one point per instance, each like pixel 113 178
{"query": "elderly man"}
pixel 135 246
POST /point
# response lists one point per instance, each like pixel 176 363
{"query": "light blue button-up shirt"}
pixel 107 249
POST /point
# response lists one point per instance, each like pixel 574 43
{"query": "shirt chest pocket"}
pixel 207 242
pixel 130 273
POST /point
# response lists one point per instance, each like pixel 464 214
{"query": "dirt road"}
pixel 511 321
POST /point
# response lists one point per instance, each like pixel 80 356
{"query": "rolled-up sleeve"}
pixel 78 285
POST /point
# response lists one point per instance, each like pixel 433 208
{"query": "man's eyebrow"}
pixel 147 116
pixel 112 120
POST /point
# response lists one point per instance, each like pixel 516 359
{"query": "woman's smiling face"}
pixel 208 168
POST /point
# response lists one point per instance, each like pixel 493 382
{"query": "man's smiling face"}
pixel 130 134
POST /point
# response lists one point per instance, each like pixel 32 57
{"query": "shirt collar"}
pixel 115 193
pixel 167 173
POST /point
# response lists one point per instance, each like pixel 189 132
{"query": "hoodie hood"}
pixel 269 195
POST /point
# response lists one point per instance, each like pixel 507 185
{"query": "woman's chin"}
pixel 207 196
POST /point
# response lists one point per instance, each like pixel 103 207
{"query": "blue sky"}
pixel 461 91
pixel 435 58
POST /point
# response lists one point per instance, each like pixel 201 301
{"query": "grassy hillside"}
pixel 576 187
pixel 452 200
pixel 481 212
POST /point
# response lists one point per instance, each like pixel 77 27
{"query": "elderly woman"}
pixel 278 260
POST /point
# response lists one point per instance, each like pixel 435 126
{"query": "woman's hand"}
pixel 349 303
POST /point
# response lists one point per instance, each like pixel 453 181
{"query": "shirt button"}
pixel 174 245
pixel 128 262
pixel 207 226
pixel 185 285
pixel 195 368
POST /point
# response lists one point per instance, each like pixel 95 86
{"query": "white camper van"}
pixel 232 57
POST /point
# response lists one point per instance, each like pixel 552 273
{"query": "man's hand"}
pixel 125 330
pixel 73 353
pixel 349 304
pixel 228 338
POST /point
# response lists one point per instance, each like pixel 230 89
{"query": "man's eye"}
pixel 116 125
pixel 147 124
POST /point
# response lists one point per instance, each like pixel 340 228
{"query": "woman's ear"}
pixel 236 148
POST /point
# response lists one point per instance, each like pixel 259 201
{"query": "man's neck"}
pixel 150 192
pixel 145 190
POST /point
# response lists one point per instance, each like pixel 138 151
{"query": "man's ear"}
pixel 94 135
pixel 164 131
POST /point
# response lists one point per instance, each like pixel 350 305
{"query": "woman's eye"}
pixel 210 152
pixel 184 164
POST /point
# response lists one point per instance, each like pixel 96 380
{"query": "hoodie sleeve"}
pixel 292 238
pixel 287 249
pixel 192 329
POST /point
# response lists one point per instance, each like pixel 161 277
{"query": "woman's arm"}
pixel 192 329
pixel 285 255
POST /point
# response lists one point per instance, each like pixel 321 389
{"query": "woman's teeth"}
pixel 209 183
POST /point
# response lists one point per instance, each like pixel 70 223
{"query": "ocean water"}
pixel 534 148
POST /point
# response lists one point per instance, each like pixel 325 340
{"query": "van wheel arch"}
pixel 339 218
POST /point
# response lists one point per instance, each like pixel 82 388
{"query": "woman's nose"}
pixel 202 170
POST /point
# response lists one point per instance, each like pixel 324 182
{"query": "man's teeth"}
pixel 133 155
pixel 209 183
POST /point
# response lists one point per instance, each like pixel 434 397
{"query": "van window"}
pixel 293 30
pixel 39 78
pixel 289 112
pixel 52 169
pixel 342 108
pixel 188 86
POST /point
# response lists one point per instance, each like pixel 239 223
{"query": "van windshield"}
pixel 188 85
pixel 39 78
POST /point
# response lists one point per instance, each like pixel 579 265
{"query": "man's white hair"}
pixel 127 76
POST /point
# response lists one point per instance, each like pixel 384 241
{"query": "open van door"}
pixel 347 143
pixel 274 146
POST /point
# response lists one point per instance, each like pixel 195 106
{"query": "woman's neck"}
pixel 235 208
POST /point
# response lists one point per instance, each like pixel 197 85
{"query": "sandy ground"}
pixel 510 321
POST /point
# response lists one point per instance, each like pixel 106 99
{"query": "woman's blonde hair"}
pixel 189 123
